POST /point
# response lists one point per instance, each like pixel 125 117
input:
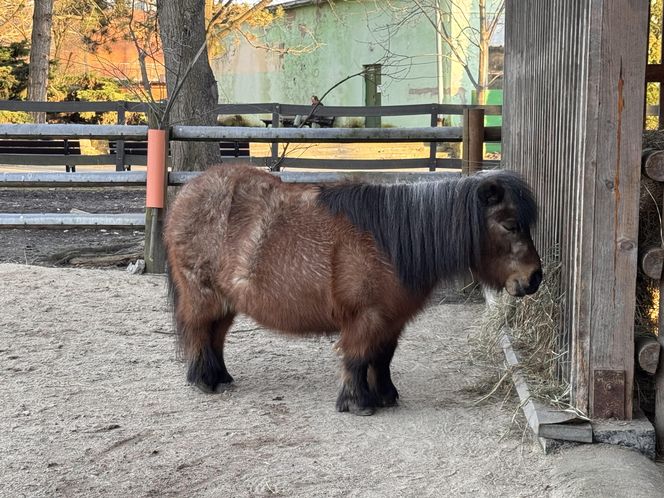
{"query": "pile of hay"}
pixel 533 323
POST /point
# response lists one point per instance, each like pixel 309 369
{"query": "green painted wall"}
pixel 351 34
pixel 346 35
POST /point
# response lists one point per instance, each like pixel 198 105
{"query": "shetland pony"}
pixel 359 259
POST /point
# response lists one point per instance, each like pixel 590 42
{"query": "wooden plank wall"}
pixel 572 123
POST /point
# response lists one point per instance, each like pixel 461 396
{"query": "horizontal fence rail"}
pixel 78 220
pixel 135 178
pixel 276 120
pixel 139 178
pixel 252 108
pixel 326 135
pixel 232 133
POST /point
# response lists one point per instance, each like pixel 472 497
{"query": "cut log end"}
pixel 651 262
pixel 647 351
pixel 653 164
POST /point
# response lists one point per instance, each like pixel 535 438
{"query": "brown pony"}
pixel 360 259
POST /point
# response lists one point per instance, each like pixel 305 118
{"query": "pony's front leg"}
pixel 360 343
pixel 355 395
pixel 379 376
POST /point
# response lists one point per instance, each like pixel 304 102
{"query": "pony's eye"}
pixel 510 226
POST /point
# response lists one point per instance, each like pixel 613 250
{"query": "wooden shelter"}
pixel 572 123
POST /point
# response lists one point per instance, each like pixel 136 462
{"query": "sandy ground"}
pixel 94 402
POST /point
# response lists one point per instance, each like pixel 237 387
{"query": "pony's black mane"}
pixel 431 231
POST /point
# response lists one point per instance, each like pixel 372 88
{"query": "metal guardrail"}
pixel 78 220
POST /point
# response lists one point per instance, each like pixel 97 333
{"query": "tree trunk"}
pixel 42 19
pixel 182 33
pixel 483 56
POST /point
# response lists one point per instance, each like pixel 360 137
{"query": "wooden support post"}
pixel 433 146
pixel 659 378
pixel 155 201
pixel 119 145
pixel 276 117
pixel 473 141
pixel 69 168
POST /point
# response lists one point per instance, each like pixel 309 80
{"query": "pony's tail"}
pixel 173 299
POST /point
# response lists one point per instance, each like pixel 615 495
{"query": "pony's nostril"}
pixel 535 281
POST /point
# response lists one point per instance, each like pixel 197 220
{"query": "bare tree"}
pixel 477 34
pixel 40 48
pixel 464 39
pixel 192 88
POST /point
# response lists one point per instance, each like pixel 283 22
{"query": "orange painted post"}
pixel 156 183
pixel 155 201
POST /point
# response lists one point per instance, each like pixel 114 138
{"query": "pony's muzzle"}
pixel 520 288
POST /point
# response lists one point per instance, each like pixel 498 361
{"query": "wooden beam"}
pixel 611 185
pixel 655 73
pixel 543 420
pixel 60 159
pixel 315 135
pixel 182 177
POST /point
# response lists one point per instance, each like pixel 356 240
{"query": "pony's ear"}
pixel 491 193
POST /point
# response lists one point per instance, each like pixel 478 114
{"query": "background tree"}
pixel 464 33
pixel 40 48
pixel 15 21
pixel 192 88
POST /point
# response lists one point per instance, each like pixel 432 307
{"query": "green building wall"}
pixel 350 34
pixel 343 36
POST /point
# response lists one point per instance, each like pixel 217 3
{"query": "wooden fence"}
pixel 472 134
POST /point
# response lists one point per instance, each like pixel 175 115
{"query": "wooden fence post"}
pixel 276 116
pixel 155 201
pixel 433 146
pixel 473 141
pixel 119 144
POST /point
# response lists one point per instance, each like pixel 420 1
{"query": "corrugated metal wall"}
pixel 572 116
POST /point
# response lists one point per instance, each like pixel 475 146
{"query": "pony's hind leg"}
pixel 202 321
pixel 380 380
pixel 207 368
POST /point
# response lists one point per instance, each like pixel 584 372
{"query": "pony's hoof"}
pixel 389 399
pixel 346 403
pixel 221 385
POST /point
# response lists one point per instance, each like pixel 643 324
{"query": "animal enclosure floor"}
pixel 94 402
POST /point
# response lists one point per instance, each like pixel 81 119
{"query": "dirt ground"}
pixel 94 401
